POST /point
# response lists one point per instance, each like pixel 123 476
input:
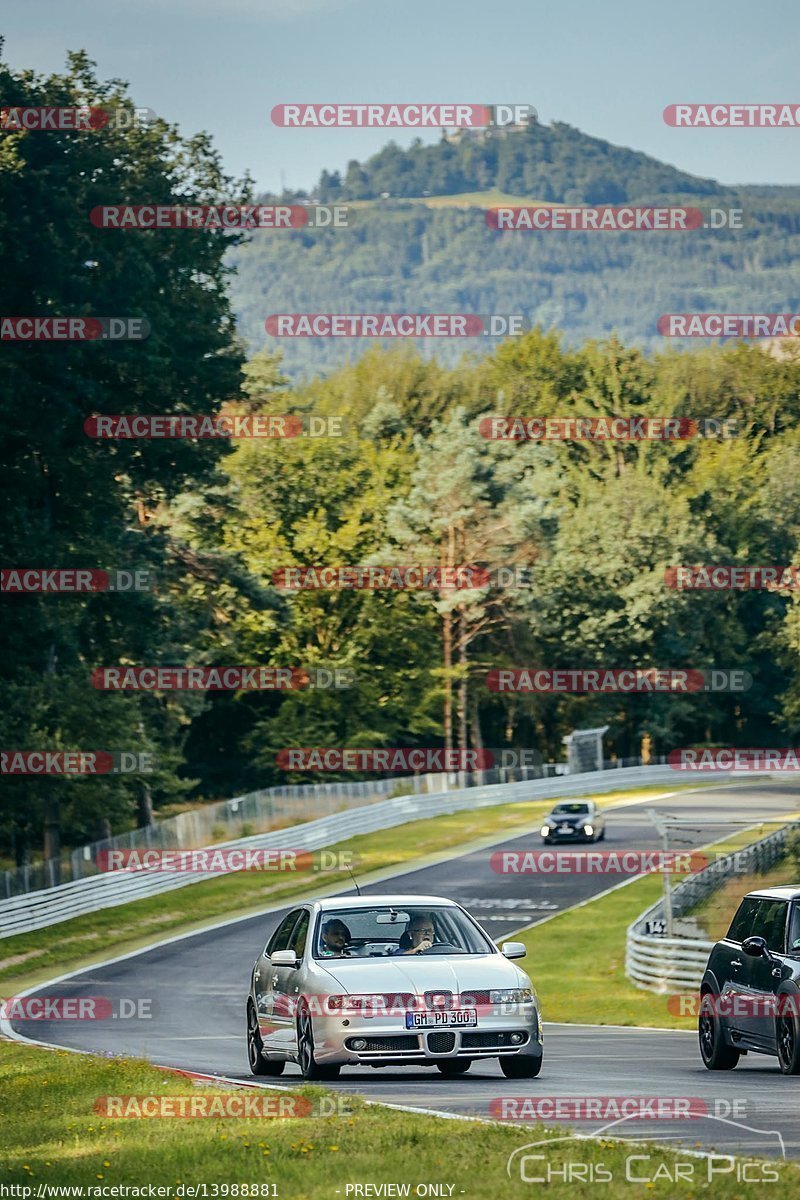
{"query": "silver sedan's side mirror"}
pixel 513 949
pixel 283 958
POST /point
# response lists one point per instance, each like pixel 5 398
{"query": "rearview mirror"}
pixel 513 949
pixel 755 946
pixel 392 918
pixel 283 958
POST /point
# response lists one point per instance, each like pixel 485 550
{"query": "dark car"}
pixel 750 993
pixel 574 821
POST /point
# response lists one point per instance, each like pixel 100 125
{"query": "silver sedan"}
pixel 389 981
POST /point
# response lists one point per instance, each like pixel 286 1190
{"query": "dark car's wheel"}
pixel 716 1055
pixel 454 1066
pixel 787 1037
pixel 308 1064
pixel 521 1066
pixel 259 1063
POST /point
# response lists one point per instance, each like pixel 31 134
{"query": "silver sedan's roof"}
pixel 392 898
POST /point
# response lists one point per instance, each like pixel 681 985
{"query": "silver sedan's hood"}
pixel 420 973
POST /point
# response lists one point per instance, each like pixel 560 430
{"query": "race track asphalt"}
pixel 196 987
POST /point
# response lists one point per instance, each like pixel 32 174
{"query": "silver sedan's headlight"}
pixel 511 996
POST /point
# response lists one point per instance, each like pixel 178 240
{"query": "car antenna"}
pixel 355 882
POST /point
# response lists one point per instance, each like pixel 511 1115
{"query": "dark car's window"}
pixel 793 939
pixel 742 923
pixel 297 941
pixel 280 938
pixel 770 923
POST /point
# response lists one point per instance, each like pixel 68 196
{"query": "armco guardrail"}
pixel 673 964
pixel 21 914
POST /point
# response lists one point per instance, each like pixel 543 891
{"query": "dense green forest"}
pixel 412 480
pixel 404 255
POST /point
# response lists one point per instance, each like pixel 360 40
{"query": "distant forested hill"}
pixel 411 252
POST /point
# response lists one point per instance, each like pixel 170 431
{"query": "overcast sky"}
pixel 610 69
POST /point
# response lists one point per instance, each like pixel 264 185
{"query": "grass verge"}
pixel 56 1137
pixel 31 958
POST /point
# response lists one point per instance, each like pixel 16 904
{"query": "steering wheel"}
pixel 439 946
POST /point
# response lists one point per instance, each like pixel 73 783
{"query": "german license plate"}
pixel 444 1019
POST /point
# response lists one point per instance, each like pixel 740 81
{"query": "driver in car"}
pixel 335 938
pixel 419 936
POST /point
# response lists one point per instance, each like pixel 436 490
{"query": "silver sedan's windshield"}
pixel 384 931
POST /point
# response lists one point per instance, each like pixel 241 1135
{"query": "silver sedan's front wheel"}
pixel 308 1064
pixel 259 1063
